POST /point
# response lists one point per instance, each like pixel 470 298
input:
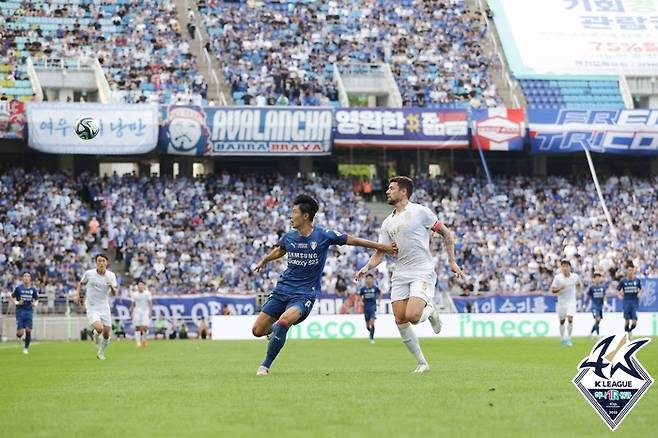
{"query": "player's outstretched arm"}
pixel 374 261
pixel 449 242
pixel 385 248
pixel 276 253
pixel 78 298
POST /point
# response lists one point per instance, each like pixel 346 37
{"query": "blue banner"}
pixel 246 131
pixel 547 303
pixel 124 129
pixel 190 308
pixel 401 128
pixel 627 132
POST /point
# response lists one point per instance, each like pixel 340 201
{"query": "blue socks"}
pixel 28 339
pixel 279 332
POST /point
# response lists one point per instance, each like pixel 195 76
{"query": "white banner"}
pixel 579 37
pixel 455 325
pixel 124 129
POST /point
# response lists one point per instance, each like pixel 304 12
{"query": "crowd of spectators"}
pixel 512 239
pixel 282 52
pixel 139 44
pixel 204 235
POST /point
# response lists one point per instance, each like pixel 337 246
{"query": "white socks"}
pixel 411 341
pixel 569 329
pixel 562 331
pixel 104 344
pixel 146 334
pixel 138 337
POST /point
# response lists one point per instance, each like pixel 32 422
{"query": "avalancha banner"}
pixel 124 129
pixel 246 131
pixel 626 132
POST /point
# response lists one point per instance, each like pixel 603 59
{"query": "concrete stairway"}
pixel 380 209
pixel 218 87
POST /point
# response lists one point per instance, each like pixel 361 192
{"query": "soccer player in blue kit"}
pixel 26 298
pixel 630 289
pixel 292 299
pixel 369 294
pixel 596 294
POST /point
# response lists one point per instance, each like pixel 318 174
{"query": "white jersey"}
pixel 411 232
pixel 142 301
pixel 97 290
pixel 568 294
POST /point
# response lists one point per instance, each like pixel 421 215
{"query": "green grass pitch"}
pixel 333 388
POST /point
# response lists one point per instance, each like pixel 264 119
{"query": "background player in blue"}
pixel 596 295
pixel 630 288
pixel 293 297
pixel 26 298
pixel 369 294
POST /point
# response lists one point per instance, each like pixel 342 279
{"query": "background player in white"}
pixel 99 284
pixel 565 284
pixel 410 226
pixel 141 311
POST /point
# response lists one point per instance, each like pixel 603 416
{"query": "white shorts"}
pixel 142 319
pixel 566 309
pixel 101 314
pixel 404 287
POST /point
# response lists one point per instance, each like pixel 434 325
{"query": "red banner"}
pixel 12 119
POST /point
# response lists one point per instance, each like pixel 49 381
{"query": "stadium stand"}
pixel 572 94
pixel 139 43
pixel 282 52
pixel 203 235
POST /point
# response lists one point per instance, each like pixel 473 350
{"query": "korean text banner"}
pixel 627 132
pixel 12 119
pixel 124 129
pixel 579 37
pixel 192 130
pixel 401 128
pixel 498 129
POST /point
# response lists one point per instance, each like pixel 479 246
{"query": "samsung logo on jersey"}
pixel 236 125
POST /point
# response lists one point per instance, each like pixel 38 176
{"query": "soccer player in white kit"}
pixel 565 284
pixel 410 227
pixel 141 313
pixel 99 283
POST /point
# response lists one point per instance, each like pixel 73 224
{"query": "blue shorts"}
pixel 370 313
pixel 23 319
pixel 630 311
pixel 597 311
pixel 277 304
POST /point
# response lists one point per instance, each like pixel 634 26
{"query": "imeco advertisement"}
pixel 454 325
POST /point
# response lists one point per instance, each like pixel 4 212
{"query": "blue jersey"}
pixel 306 257
pixel 631 288
pixel 369 295
pixel 596 294
pixel 27 294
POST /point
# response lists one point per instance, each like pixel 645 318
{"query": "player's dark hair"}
pixel 102 256
pixel 404 182
pixel 565 262
pixel 597 274
pixel 630 264
pixel 370 275
pixel 307 205
pixel 26 272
